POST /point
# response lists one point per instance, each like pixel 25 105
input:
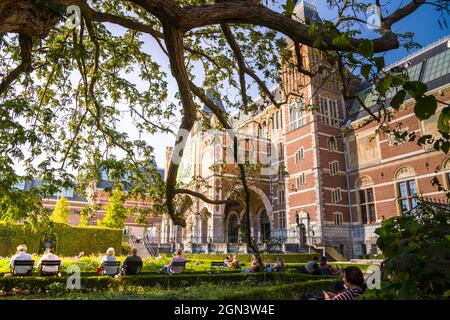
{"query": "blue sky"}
pixel 423 23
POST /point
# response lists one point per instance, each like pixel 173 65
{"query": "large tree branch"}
pixel 401 13
pixel 26 45
pixel 201 196
pixel 247 12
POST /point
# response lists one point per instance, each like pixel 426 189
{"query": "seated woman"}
pixel 353 285
pixel 109 257
pixel 228 261
pixel 327 269
pixel 255 266
pixel 279 265
pixel 235 263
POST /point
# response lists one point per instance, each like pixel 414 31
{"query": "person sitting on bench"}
pixel 21 254
pixel 132 264
pixel 235 263
pixel 109 269
pixel 177 265
pixel 49 256
pixel 227 262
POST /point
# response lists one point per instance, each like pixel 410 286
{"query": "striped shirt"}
pixel 348 294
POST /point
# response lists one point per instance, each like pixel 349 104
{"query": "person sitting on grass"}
pixel 353 284
pixel 326 268
pixel 279 265
pixel 109 257
pixel 228 261
pixel 21 254
pixel 312 266
pixel 132 264
pixel 235 263
pixel 169 269
pixel 255 266
pixel 49 255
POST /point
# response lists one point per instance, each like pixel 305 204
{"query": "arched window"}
pixel 406 188
pixel 332 144
pixel 366 199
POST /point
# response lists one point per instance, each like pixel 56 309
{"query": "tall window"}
pixel 280 151
pixel 279 218
pixel 277 120
pixel 280 196
pixel 301 180
pixel 367 206
pixel 329 112
pixel 338 218
pixel 336 196
pixel 280 173
pixel 334 167
pixel 65 192
pixel 332 144
pixel 406 191
pixel 299 155
pixel 297 115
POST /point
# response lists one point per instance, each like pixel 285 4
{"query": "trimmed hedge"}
pixel 70 241
pixel 288 257
pixel 282 292
pixel 10 285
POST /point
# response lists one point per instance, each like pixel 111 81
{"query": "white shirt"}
pixel 109 269
pixel 309 266
pixel 52 257
pixel 20 256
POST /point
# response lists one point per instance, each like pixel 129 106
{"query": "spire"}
pixel 306 10
pixel 212 95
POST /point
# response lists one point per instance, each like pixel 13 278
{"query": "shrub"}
pixel 417 250
pixel 288 257
pixel 103 283
pixel 70 241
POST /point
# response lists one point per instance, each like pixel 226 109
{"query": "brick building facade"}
pixel 339 186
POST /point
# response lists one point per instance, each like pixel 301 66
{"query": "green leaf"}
pixel 341 42
pixel 317 42
pixel 398 99
pixel 366 48
pixel 365 70
pixel 425 107
pixel 443 121
pixel 415 88
pixel 383 85
pixel 289 7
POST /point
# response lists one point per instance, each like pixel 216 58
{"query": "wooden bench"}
pixel 49 263
pixel 111 268
pixel 216 264
pixel 22 264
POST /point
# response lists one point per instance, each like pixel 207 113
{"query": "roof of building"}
pixel 215 100
pixel 306 11
pixel 430 65
pixel 69 193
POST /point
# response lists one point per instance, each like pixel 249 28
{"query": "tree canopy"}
pixel 64 89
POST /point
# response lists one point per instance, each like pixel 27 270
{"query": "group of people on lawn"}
pixel 350 287
pixel 130 266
